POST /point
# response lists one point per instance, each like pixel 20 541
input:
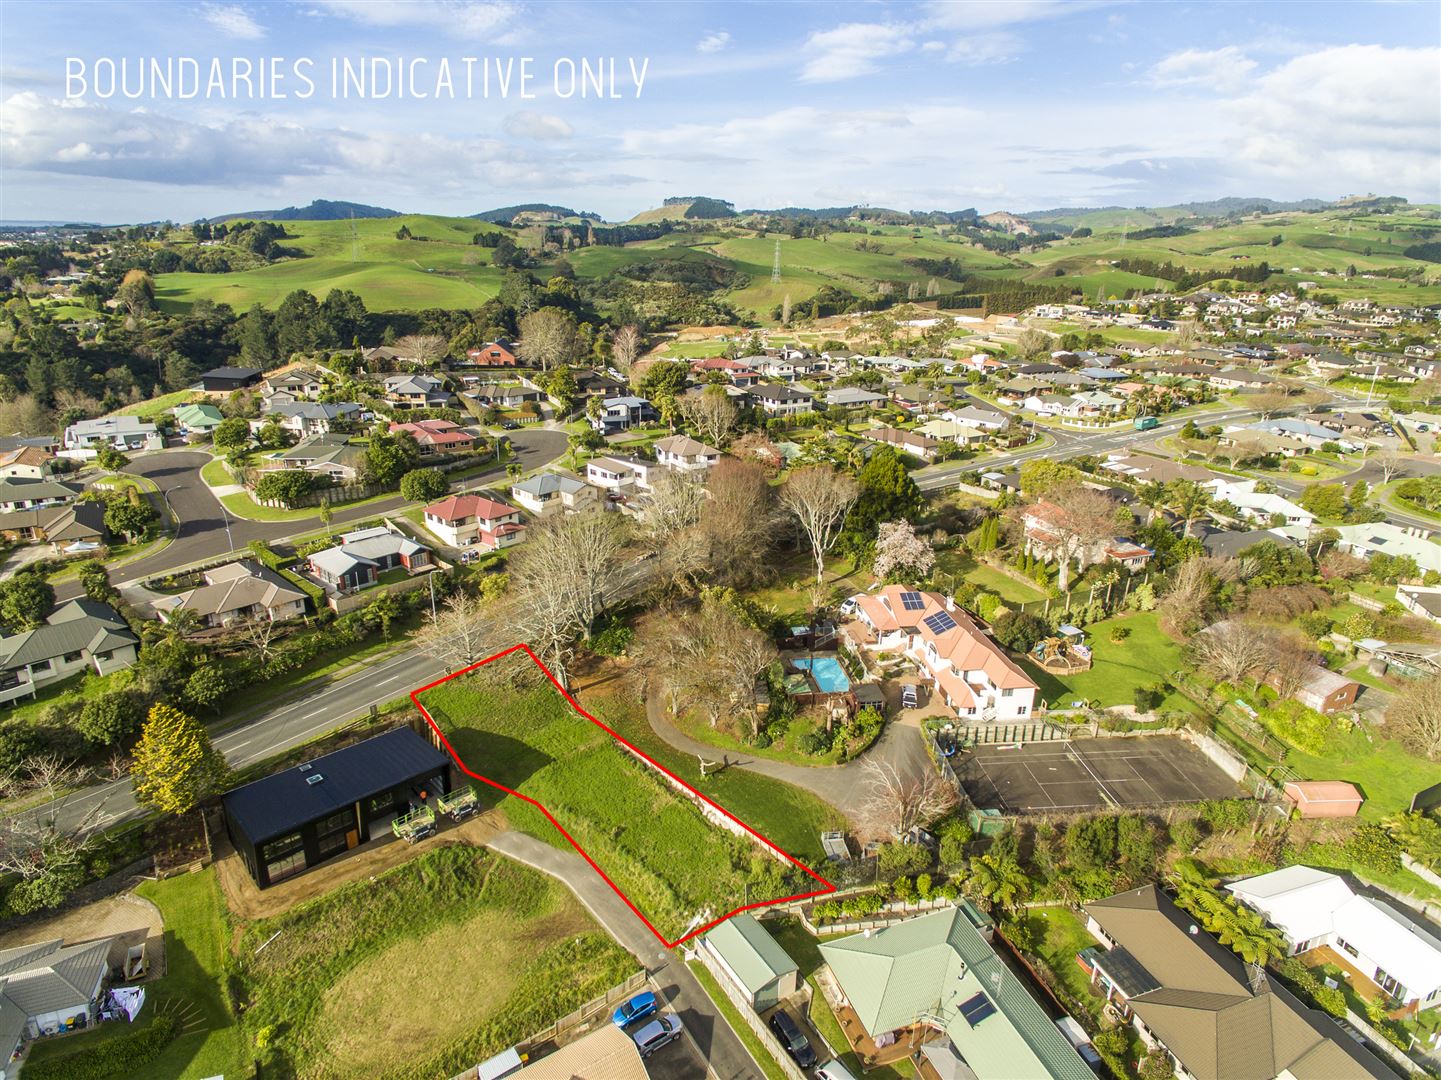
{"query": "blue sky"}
pixel 1007 105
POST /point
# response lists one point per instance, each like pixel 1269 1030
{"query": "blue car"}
pixel 637 1008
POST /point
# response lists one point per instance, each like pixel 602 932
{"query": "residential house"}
pixel 1256 505
pixel 307 418
pixel 778 400
pixel 1144 469
pixel 467 520
pixel 82 635
pixel 736 371
pixel 1384 538
pixel 1048 538
pixel 553 493
pixel 226 380
pixel 905 442
pixel 623 413
pixel 237 592
pixel 950 431
pixel 1243 379
pixel 1367 937
pixel 294 383
pixel 328 455
pixel 1051 405
pixel 854 397
pixel 197 419
pixel 498 353
pixel 1321 689
pixel 416 392
pixel 48 987
pixel 599 384
pixel 940 970
pixel 978 416
pixel 27 494
pixel 1422 600
pixel 755 965
pixel 361 557
pixel 78 526
pixel 620 474
pixel 507 395
pixel 973 673
pixel 1097 402
pixel 686 454
pixel 437 436
pixel 1295 433
pixel 26 463
pixel 84 437
pixel 1216 1017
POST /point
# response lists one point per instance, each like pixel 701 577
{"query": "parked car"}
pixel 792 1038
pixel 834 1070
pixel 637 1008
pixel 910 696
pixel 849 606
pixel 656 1034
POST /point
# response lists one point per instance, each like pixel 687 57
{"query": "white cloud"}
pixel 1227 68
pixel 989 14
pixel 714 41
pixel 998 47
pixel 463 18
pixel 534 125
pixel 853 49
pixel 232 21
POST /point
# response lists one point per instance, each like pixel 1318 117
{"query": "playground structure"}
pixel 1061 656
pixel 416 825
pixel 460 804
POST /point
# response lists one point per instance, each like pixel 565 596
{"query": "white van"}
pixel 833 1070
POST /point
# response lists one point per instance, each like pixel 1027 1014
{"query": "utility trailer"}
pixel 416 825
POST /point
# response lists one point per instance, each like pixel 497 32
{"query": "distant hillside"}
pixel 687 208
pixel 1104 217
pixel 319 210
pixel 504 215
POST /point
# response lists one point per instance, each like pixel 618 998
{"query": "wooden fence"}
pixel 749 1015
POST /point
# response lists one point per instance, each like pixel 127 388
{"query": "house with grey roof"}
pixel 306 418
pixel 236 592
pixel 79 523
pixel 623 413
pixel 940 971
pixel 753 961
pixel 49 987
pixel 83 635
pixel 554 493
pixel 416 392
pixel 361 557
pixel 854 397
pixel 23 493
pixel 329 455
pixel 84 438
pixel 1384 538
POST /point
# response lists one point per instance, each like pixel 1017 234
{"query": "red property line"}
pixel 415 697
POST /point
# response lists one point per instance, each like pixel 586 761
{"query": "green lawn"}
pixel 1382 768
pixel 1146 657
pixel 1060 935
pixel 196 930
pixel 437 964
pixel 1003 585
pixel 243 506
pixel 651 841
pixel 215 473
pixel 157 406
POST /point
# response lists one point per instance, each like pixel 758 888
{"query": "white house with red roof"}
pixel 437 436
pixel 739 373
pixel 971 671
pixel 1049 538
pixel 466 520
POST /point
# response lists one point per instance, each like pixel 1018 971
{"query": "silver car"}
pixel 656 1034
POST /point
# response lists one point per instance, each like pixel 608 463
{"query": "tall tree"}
pixel 1415 716
pixel 886 493
pixel 712 414
pixel 625 347
pixel 548 338
pixel 899 551
pixel 176 768
pixel 818 497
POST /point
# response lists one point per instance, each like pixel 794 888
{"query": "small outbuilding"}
pixel 755 963
pixel 296 819
pixel 1323 798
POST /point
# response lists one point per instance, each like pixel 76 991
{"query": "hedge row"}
pixel 270 559
pixel 117 1057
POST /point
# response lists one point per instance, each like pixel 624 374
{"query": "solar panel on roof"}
pixel 912 601
pixel 940 622
pixel 976 1009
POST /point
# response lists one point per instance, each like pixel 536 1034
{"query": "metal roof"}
pixel 48 978
pixel 283 802
pixel 81 625
pixel 750 952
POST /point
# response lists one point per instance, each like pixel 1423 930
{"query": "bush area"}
pixel 518 943
pixel 652 842
pixel 115 1057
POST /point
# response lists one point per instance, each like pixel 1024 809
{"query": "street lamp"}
pixel 229 539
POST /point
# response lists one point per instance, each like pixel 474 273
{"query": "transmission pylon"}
pixel 776 265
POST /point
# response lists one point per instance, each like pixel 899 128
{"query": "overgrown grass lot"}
pixel 436 965
pixel 650 840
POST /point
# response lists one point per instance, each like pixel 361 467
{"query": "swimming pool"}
pixel 830 677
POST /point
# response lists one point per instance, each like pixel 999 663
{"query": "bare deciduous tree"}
pixel 894 803
pixel 1289 662
pixel 463 631
pixel 899 548
pixel 1189 600
pixel 258 632
pixel 1230 651
pixel 674 506
pixel 712 414
pixel 35 842
pixel 738 522
pixel 1415 716
pixel 1389 462
pixel 427 350
pixel 548 338
pixel 818 496
pixel 1083 518
pixel 624 348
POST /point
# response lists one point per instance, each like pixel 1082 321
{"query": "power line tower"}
pixel 776 264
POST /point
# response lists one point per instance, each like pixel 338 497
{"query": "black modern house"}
pixel 226 379
pixel 296 819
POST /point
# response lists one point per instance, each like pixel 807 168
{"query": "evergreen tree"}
pixel 887 494
pixel 175 765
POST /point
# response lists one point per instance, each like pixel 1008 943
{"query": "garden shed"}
pixel 753 960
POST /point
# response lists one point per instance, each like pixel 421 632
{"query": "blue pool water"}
pixel 827 672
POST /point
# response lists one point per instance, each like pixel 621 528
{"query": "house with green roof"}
pixel 754 962
pixel 197 419
pixel 940 970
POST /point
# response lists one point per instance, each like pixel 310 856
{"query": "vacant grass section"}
pixel 650 840
pixel 435 965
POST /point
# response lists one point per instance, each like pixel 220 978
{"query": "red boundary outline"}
pixel 522 647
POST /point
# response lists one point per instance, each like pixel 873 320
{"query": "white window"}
pixel 1007 693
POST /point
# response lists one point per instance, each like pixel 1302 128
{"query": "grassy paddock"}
pixel 650 840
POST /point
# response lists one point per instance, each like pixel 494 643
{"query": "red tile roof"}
pixel 463 506
pixel 966 646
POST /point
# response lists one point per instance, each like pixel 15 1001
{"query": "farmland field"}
pixel 434 966
pixel 651 841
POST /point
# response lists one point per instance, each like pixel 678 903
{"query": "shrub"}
pixel 904 888
pixel 987 604
pixel 923 886
pixel 1119 634
pixel 1018 631
pixel 1373 848
pixel 423 485
pixel 123 1055
pixel 896 859
pixel 813 741
pixel 112 718
pixel 1314 624
pixel 1302 727
pixel 956 838
pixel 286 486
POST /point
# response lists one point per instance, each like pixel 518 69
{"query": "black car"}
pixel 791 1037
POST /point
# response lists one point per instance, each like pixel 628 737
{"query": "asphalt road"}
pixel 203 532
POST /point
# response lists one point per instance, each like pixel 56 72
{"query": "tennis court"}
pixel 1086 773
